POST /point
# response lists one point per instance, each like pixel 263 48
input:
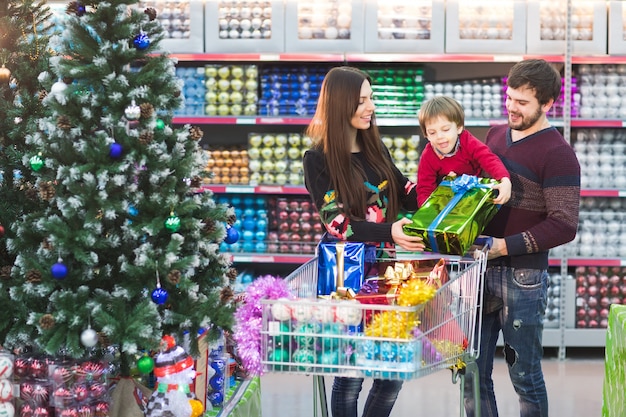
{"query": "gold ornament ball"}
pixel 5 74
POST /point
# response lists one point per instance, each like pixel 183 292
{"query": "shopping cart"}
pixel 322 337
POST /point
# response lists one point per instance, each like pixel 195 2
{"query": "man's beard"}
pixel 526 123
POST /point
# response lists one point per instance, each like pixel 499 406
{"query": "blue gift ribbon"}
pixel 459 186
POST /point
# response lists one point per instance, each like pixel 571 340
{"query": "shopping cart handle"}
pixel 484 241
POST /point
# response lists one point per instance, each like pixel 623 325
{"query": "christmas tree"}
pixel 127 247
pixel 24 54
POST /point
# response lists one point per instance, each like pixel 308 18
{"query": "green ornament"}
pixel 172 223
pixel 160 124
pixel 36 162
pixel 145 364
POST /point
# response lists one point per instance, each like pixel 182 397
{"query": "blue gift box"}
pixel 357 259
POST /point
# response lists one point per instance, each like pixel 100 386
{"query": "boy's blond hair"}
pixel 441 106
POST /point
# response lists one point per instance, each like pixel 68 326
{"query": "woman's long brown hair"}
pixel 330 130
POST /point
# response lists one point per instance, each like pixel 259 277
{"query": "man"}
pixel 541 214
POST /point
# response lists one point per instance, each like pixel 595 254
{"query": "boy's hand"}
pixel 504 191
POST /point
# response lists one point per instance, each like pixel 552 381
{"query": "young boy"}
pixel 452 150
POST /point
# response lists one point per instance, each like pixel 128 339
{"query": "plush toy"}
pixel 174 372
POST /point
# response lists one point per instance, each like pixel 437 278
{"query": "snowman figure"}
pixel 174 373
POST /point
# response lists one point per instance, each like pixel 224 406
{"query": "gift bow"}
pixel 459 186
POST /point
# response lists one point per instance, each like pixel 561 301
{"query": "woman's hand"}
pixel 504 191
pixel 409 243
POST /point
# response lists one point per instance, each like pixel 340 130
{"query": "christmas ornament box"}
pixel 593 11
pixel 249 42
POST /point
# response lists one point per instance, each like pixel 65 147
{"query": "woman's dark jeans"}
pixel 380 401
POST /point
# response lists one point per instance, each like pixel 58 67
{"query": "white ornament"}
pixel 6 390
pixel 348 314
pixel 89 337
pixel 7 409
pixel 58 88
pixel 6 366
pixel 280 310
pixel 324 312
pixel 302 312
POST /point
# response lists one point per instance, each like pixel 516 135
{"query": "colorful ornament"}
pixel 172 223
pixel 115 150
pixel 159 295
pixel 36 162
pixel 141 41
pixel 89 337
pixel 1 230
pixel 160 124
pixel 232 235
pixel 59 269
pixel 145 364
pixel 5 74
pixel 133 111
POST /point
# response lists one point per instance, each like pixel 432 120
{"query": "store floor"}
pixel 574 389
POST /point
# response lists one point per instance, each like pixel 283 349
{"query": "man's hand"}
pixel 498 248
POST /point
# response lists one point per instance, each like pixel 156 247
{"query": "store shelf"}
pixel 259 57
pixel 259 189
pixel 584 337
pixel 270 258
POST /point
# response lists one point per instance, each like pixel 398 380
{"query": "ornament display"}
pixel 172 223
pixel 89 338
pixel 36 162
pixel 141 41
pixel 59 269
pixel 175 373
pixel 115 150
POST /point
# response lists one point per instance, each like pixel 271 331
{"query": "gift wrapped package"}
pixel 454 214
pixel 343 266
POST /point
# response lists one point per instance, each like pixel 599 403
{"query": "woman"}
pixel 358 192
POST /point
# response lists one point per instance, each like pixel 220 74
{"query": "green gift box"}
pixel 455 214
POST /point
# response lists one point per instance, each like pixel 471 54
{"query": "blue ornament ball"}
pixel 59 270
pixel 232 235
pixel 141 41
pixel 247 247
pixel 159 295
pixel 219 365
pixel 115 150
pixel 216 398
pixel 216 383
pixel 248 235
pixel 249 224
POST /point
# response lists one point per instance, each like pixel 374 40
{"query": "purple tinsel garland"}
pixel 247 332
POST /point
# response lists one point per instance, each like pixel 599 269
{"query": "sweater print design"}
pixel 331 212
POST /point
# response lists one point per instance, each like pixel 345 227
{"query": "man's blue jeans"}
pixel 380 401
pixel 524 295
